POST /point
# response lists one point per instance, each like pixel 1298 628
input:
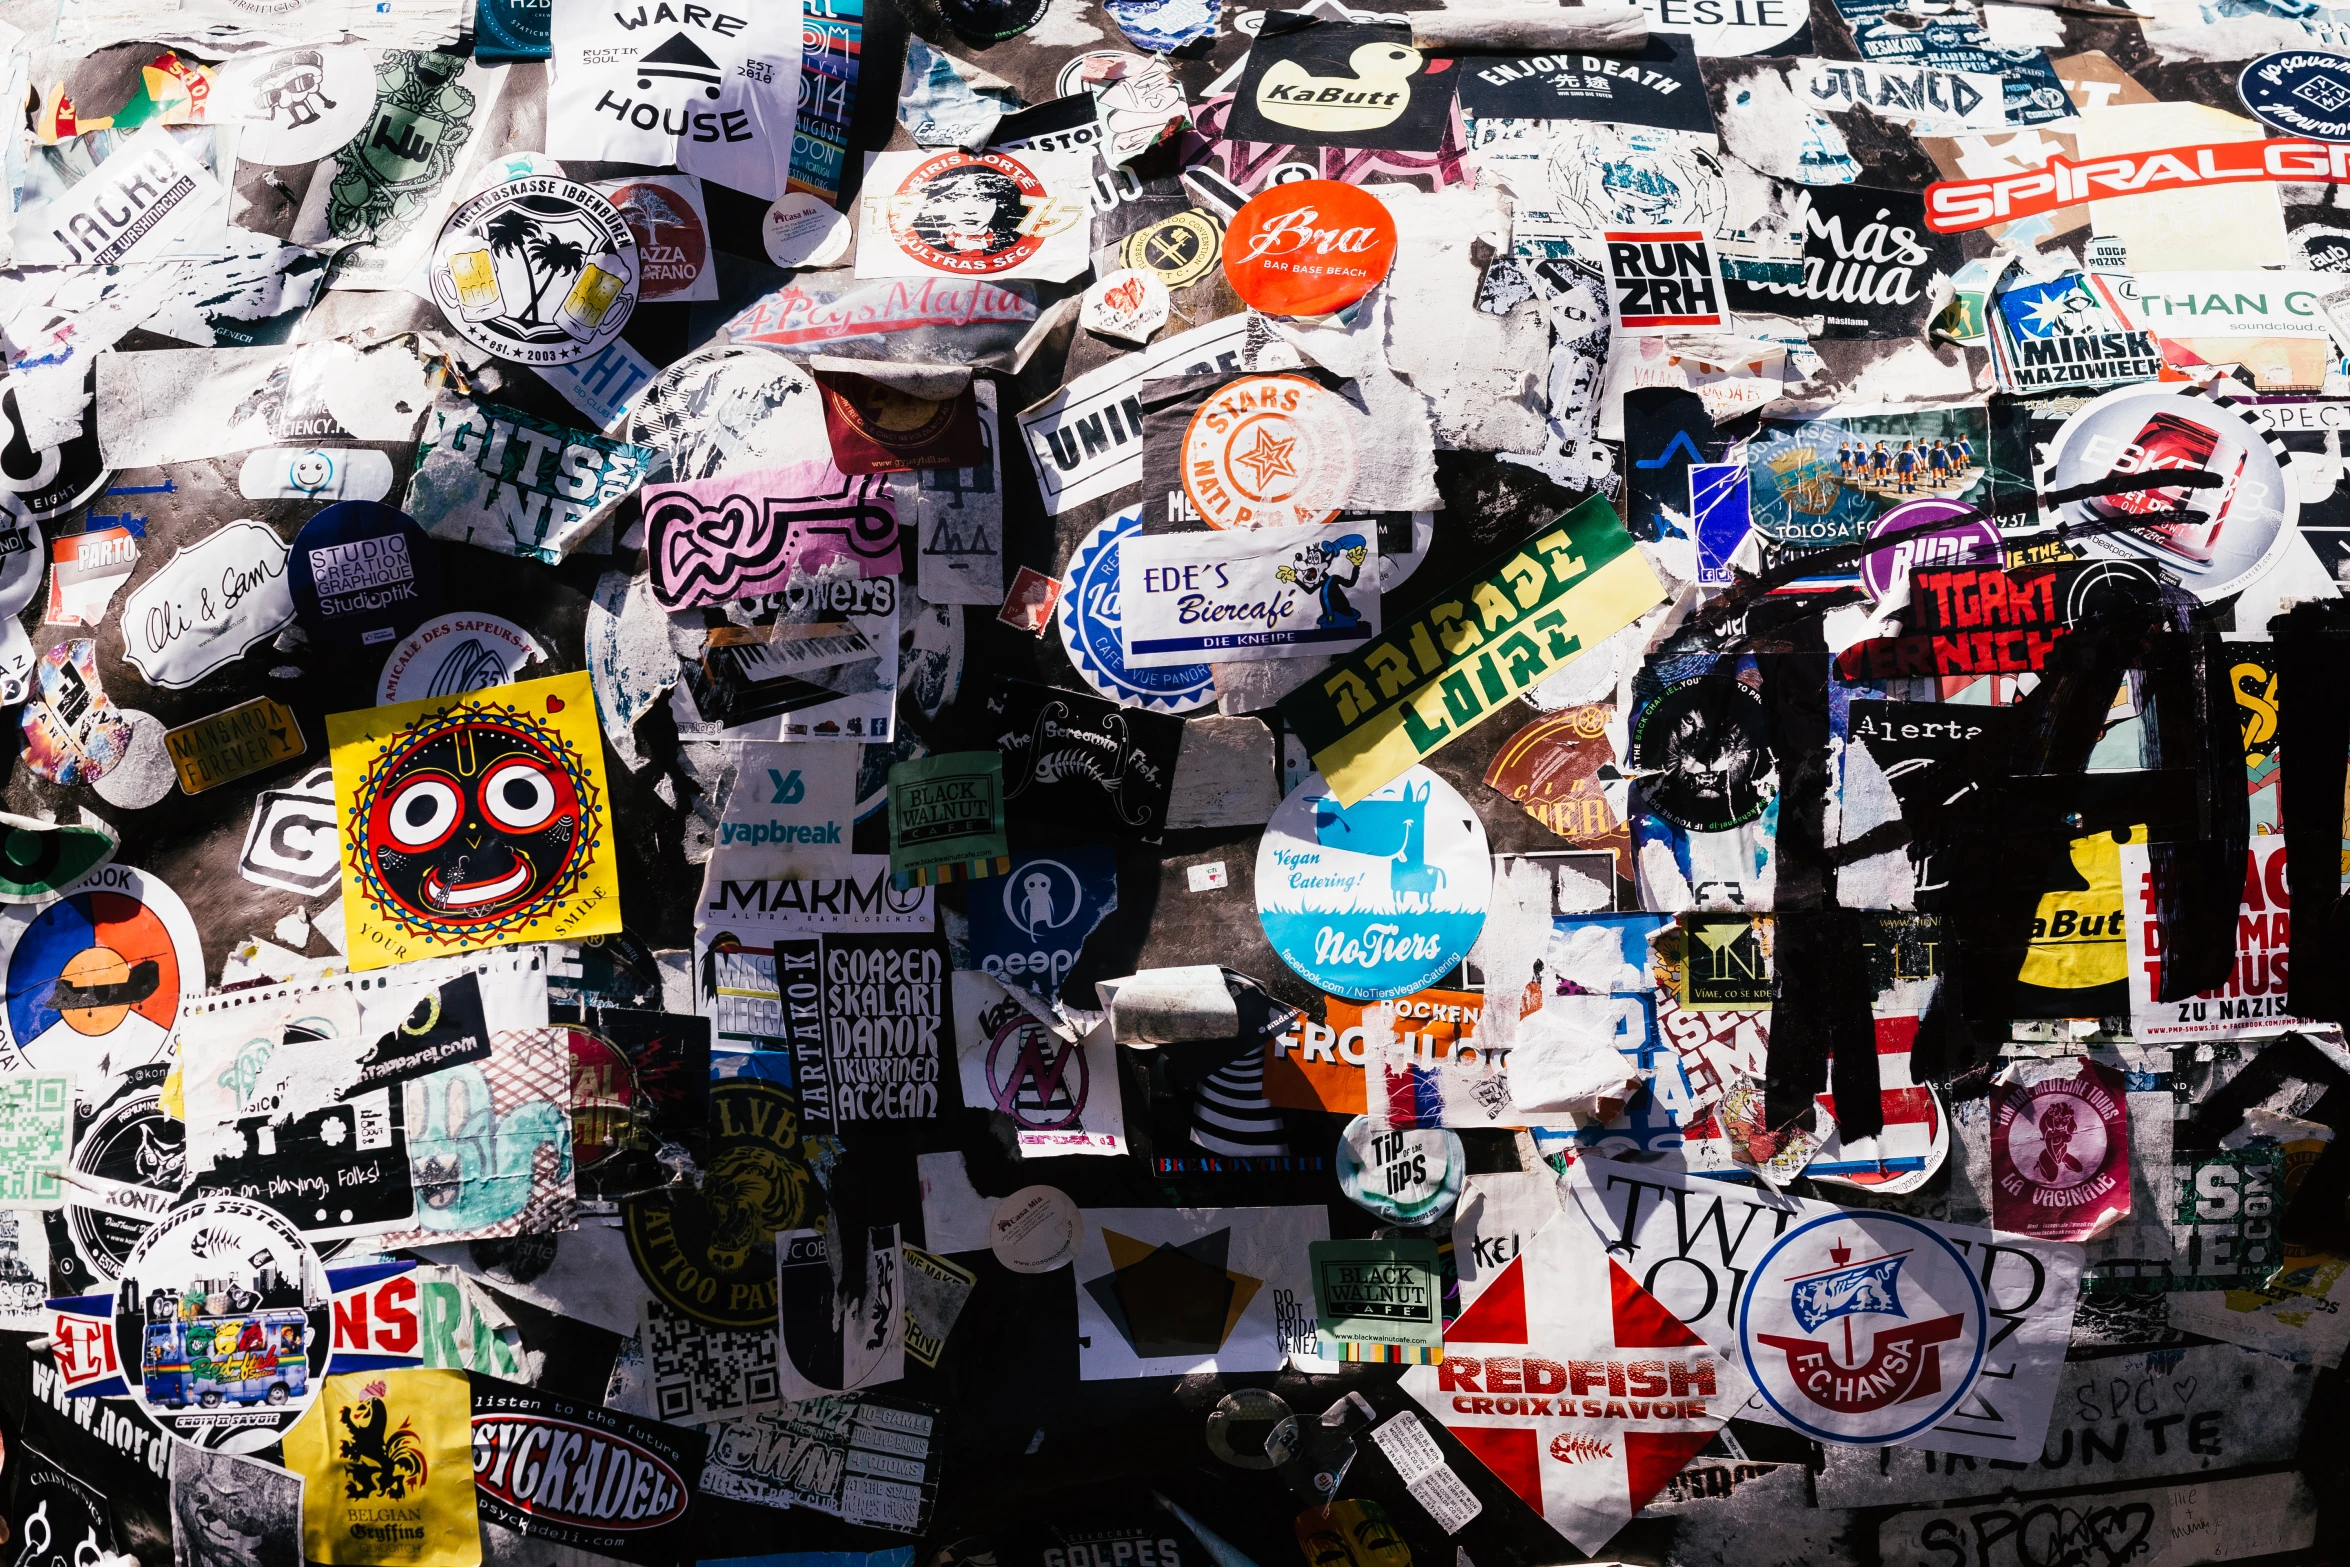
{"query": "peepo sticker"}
pixel 1309 248
pixel 974 214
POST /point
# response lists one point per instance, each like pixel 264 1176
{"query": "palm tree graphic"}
pixel 546 258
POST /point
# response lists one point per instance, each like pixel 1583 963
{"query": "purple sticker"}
pixel 1974 542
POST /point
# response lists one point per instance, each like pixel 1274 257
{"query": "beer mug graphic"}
pixel 473 272
pixel 591 298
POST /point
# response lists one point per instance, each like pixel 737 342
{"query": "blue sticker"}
pixel 1163 25
pixel 1378 899
pixel 1027 928
pixel 2302 92
pixel 362 576
pixel 1718 505
pixel 1096 641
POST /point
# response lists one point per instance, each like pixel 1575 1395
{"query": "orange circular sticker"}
pixel 1308 248
pixel 1268 451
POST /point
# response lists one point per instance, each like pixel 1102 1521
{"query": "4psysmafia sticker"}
pixel 474 821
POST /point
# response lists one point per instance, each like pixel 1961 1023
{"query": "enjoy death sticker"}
pixel 542 271
pixel 1269 451
pixel 1308 248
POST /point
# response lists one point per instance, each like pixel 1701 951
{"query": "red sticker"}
pixel 1308 248
pixel 975 213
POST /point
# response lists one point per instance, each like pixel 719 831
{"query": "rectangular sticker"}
pixel 1227 596
pixel 251 737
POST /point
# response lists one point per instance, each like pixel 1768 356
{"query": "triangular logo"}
pixel 1499 1315
pixel 1653 1457
pixel 1641 1319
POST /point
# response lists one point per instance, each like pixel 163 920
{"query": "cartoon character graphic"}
pixel 1314 570
pixel 2058 1123
pixel 973 211
pixel 379 1461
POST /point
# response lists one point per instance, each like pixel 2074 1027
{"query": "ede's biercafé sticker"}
pixel 474 821
pixel 1448 669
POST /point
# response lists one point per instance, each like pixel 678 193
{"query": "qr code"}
pixel 702 1373
pixel 36 1140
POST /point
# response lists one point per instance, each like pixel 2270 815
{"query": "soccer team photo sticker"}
pixel 226 1305
pixel 1309 248
pixel 1269 451
pixel 474 821
pixel 1862 1327
pixel 97 976
pixel 966 214
pixel 542 271
pixel 1377 899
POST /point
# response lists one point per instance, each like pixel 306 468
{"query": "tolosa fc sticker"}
pixel 1862 1328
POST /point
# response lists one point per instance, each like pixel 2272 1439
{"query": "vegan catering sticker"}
pixel 974 213
pixel 2302 92
pixel 1380 898
pixel 542 271
pixel 1861 1327
pixel 1309 248
pixel 1093 633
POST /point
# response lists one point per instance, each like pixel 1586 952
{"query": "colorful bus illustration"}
pixel 213 1347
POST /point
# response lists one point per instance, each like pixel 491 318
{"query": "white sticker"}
pixel 1035 1230
pixel 210 602
pixel 1206 878
pixel 804 231
pixel 343 473
pixel 294 106
pixel 790 814
pixel 467 651
pixel 1233 596
pixel 1129 305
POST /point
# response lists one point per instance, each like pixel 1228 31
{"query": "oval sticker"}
pixel 1308 248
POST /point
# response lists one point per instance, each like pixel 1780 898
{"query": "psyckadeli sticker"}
pixel 520 769
pixel 971 214
pixel 1309 248
pixel 542 271
pixel 1379 898
pixel 2060 1150
pixel 1093 629
pixel 1277 593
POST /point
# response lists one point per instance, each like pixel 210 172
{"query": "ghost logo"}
pixel 1043 897
pixel 1865 1381
pixel 294 86
pixel 474 822
pixel 379 1461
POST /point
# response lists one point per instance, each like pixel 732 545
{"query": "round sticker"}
pixel 1377 899
pixel 1090 630
pixel 2302 92
pixel 228 1305
pixel 1894 1163
pixel 129 1162
pixel 1095 69
pixel 1035 1230
pixel 1403 1176
pixel 1181 249
pixel 295 106
pixel 974 214
pixel 467 651
pixel 2229 535
pixel 1974 542
pixel 672 241
pixel 1269 451
pixel 804 231
pixel 1703 746
pixel 1862 1327
pixel 99 973
pixel 1308 248
pixel 1248 1409
pixel 540 270
pixel 989 21
pixel 362 576
pixel 729 407
pixel 1129 305
pixel 709 1250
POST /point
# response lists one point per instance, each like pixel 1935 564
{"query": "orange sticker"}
pixel 1308 248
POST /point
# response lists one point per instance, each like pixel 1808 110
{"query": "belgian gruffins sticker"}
pixel 2060 1150
pixel 989 215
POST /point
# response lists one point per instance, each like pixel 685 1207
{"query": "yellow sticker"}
pixel 248 738
pixel 473 821
pixel 386 1460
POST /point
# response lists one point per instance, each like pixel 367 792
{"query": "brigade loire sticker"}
pixel 2228 536
pixel 1862 1327
pixel 2302 92
pixel 541 270
pixel 1376 899
pixel 2060 1151
pixel 709 1251
pixel 1268 451
pixel 227 1304
pixel 1092 631
pixel 1308 248
pixel 973 215
pixel 454 654
pixel 97 976
pixel 474 821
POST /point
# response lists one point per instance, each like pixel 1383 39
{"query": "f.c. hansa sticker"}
pixel 474 821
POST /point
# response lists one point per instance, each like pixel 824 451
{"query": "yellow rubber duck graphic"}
pixel 1377 94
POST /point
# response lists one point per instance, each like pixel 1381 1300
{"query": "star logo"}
pixel 1268 458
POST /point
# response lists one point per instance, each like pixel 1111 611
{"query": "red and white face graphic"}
pixel 473 823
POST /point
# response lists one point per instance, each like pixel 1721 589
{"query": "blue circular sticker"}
pixel 1379 898
pixel 1096 641
pixel 362 576
pixel 2302 92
